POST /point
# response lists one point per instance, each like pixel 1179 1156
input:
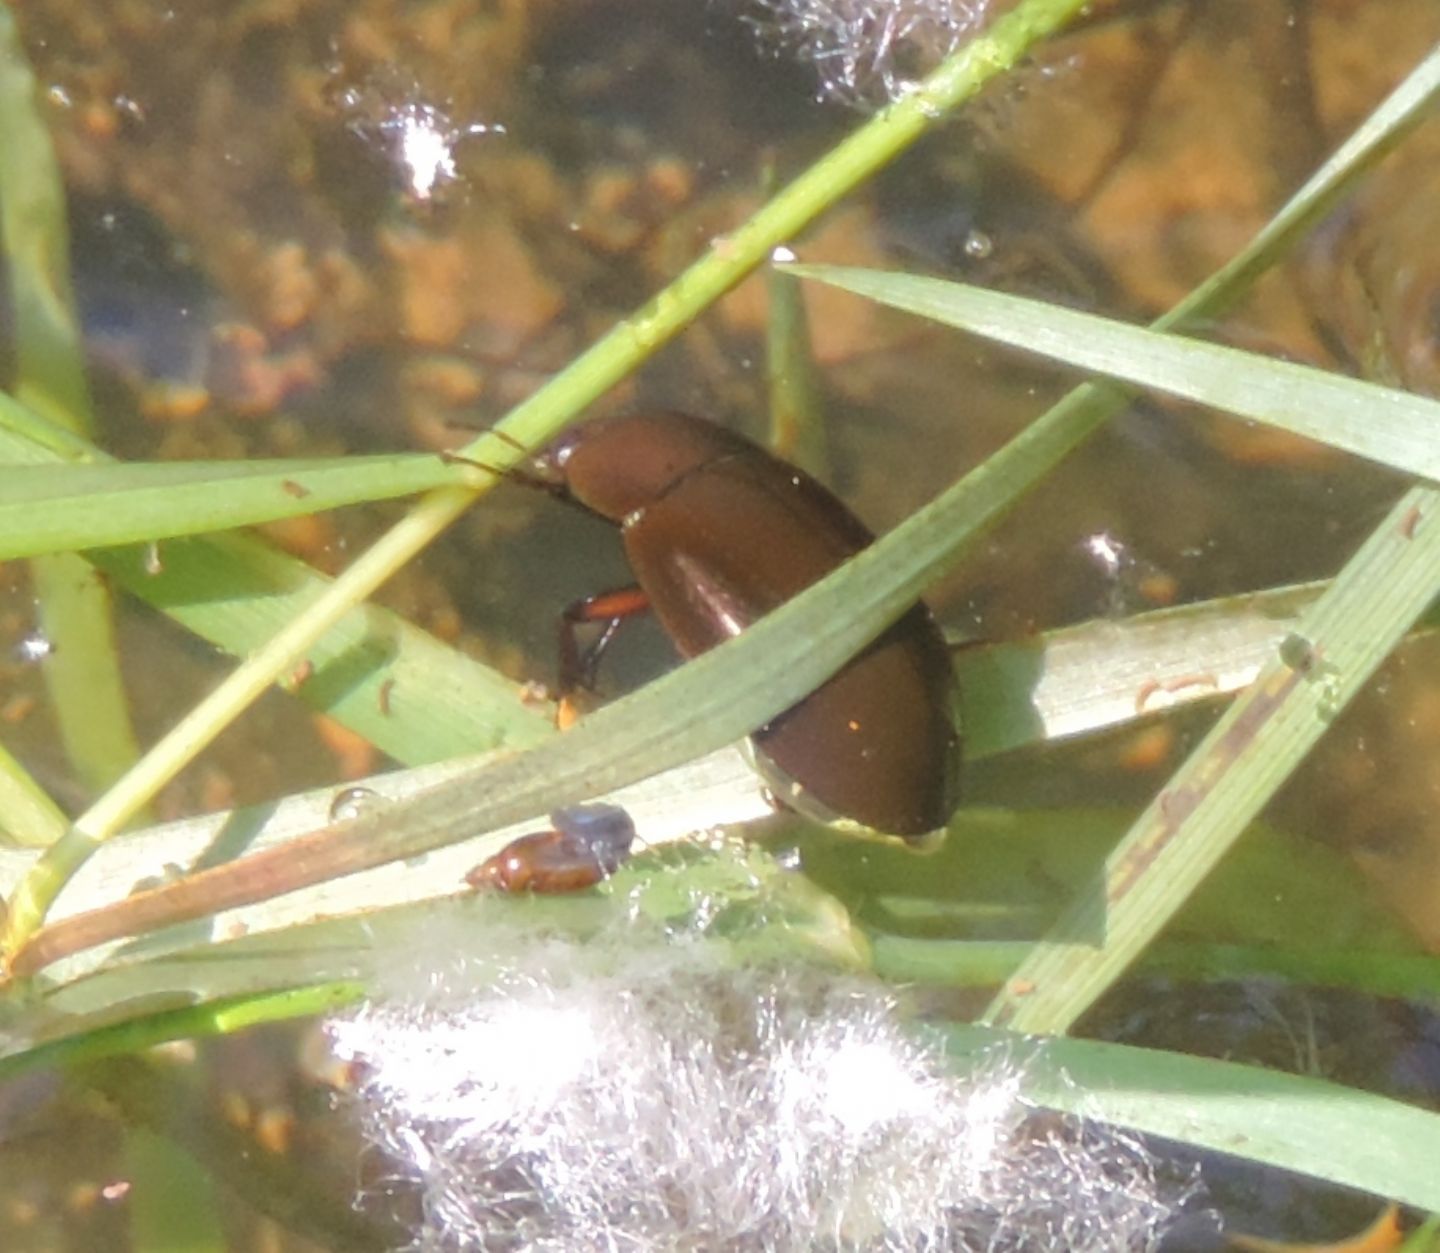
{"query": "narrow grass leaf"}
pixel 413 697
pixel 1395 428
pixel 82 672
pixel 715 790
pixel 984 963
pixel 1341 1135
pixel 1108 672
pixel 50 363
pixel 174 1203
pixel 797 422
pixel 27 814
pixel 68 507
pixel 1250 752
pixel 27 438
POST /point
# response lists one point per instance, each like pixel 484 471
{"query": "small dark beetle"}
pixel 718 533
pixel 587 844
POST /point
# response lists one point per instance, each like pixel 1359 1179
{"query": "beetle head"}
pixel 618 466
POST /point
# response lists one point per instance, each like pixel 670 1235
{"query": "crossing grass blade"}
pixel 69 507
pixel 1394 428
pixel 82 673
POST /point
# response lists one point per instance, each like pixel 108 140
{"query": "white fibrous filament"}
pixel 639 1091
pixel 866 52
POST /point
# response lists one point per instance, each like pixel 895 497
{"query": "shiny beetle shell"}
pixel 718 533
pixel 585 845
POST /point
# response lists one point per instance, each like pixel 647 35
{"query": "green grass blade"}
pixel 50 363
pixel 67 507
pixel 1394 428
pixel 82 668
pixel 221 1016
pixel 984 963
pixel 26 438
pixel 417 699
pixel 1266 1117
pixel 82 672
pixel 28 815
pixel 1287 1121
pixel 175 1206
pixel 1250 752
pixel 407 693
pixel 1105 673
pixel 797 424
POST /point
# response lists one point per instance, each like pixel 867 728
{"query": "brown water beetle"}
pixel 586 844
pixel 718 533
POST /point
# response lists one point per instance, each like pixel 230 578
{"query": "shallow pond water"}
pixel 307 228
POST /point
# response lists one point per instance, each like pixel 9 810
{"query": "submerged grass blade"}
pixel 82 668
pixel 27 814
pixel 1344 1136
pixel 27 439
pixel 1104 673
pixel 175 1203
pixel 984 963
pixel 82 672
pixel 1185 831
pixel 50 365
pixel 67 507
pixel 189 1152
pixel 408 694
pixel 797 428
pixel 217 1017
pixel 1266 1117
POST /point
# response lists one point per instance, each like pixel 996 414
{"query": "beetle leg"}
pixel 610 609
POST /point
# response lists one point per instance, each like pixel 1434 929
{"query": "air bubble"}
pixel 1298 653
pixel 34 648
pixel 129 107
pixel 418 137
pixel 978 245
pixel 1331 698
pixel 353 802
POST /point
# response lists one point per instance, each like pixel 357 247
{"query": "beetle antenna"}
pixel 527 478
pixel 455 459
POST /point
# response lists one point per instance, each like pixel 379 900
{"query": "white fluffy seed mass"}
pixel 634 1092
pixel 865 52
